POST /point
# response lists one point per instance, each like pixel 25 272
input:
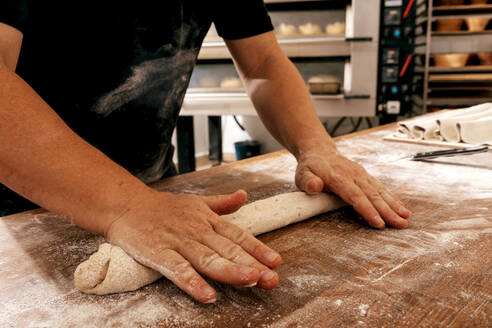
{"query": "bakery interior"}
pixel 364 65
pixel 379 73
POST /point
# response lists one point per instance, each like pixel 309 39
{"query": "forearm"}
pixel 283 103
pixel 46 162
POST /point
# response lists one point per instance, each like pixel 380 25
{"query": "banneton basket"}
pixel 451 2
pixel 324 84
pixel 451 60
pixel 485 58
pixel 478 2
pixel 449 25
pixel 321 88
pixel 477 24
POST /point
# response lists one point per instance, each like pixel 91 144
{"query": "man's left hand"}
pixel 323 168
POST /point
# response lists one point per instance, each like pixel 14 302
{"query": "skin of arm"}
pixel 283 103
pixel 43 160
pixel 181 236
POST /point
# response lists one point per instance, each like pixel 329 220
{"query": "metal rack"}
pixel 460 86
pixel 359 48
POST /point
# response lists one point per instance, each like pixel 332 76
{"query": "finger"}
pixel 396 204
pixel 308 181
pixel 225 204
pixel 214 266
pixel 175 268
pixel 235 253
pixel 386 212
pixel 250 244
pixel 354 196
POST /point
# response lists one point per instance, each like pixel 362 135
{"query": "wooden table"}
pixel 336 272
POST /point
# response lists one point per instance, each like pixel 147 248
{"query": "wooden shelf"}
pixel 469 77
pixel 461 42
pixel 195 95
pixel 238 103
pixel 461 88
pixel 267 2
pixel 320 46
pixel 460 33
pixel 457 102
pixel 464 10
pixel 287 1
pixel 466 69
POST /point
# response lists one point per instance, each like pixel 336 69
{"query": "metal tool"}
pixel 450 152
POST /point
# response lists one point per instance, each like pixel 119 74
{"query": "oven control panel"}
pixel 395 57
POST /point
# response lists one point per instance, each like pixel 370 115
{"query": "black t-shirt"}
pixel 116 71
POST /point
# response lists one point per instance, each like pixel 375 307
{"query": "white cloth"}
pixel 476 132
pixel 468 125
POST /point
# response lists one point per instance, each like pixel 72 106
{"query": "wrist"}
pixel 136 211
pixel 316 144
pixel 125 202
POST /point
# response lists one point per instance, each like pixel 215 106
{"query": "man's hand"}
pixel 183 237
pixel 284 105
pixel 323 168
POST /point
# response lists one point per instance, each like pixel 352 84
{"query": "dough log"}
pixel 111 270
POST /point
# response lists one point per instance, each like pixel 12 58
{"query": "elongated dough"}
pixel 111 270
pixel 281 210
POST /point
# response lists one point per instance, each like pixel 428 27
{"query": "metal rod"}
pixel 428 40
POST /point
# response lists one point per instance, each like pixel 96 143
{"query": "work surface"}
pixel 336 272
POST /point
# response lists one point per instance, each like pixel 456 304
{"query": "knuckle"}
pixel 233 251
pixel 193 281
pixel 220 225
pixel 199 229
pixel 238 235
pixel 258 249
pixel 335 181
pixel 374 196
pixel 208 260
pixel 187 244
pixel 357 201
pixel 183 269
pixel 242 237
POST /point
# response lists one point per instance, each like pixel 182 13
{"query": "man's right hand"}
pixel 183 237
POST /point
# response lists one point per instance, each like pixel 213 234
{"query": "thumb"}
pixel 225 204
pixel 308 181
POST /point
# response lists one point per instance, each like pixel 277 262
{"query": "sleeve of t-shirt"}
pixel 238 19
pixel 14 13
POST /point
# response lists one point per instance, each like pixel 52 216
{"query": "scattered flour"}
pixel 363 309
pixel 358 269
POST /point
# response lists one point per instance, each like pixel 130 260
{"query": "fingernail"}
pixel 267 275
pixel 380 223
pixel 270 257
pixel 210 292
pixel 403 209
pixel 251 285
